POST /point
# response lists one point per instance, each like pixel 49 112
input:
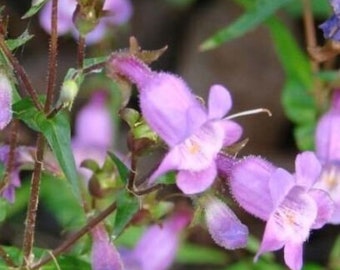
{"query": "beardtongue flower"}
pixel 104 255
pixel 289 203
pixel 23 156
pixel 223 225
pixel 194 134
pixel 93 132
pixel 118 12
pixel 157 248
pixel 327 144
pixel 5 101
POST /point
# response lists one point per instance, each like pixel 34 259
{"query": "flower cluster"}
pixel 291 204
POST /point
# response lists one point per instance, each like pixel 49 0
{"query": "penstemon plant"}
pixel 118 214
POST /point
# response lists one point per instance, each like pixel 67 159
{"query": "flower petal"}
pixel 157 248
pixel 233 132
pixel 308 169
pixel 249 182
pixel 293 255
pixel 294 217
pixel 192 182
pixel 327 136
pixel 325 207
pixel 219 102
pixel 120 11
pixel 93 125
pixel 65 12
pixel 104 255
pixel 224 227
pixel 165 100
pixel 280 183
pixel 196 117
pixel 5 101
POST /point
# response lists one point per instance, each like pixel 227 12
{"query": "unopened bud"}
pixel 69 91
pixel 86 18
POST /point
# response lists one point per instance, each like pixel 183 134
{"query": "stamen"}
pixel 249 112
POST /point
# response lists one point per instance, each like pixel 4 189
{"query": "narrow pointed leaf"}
pixel 19 41
pixel 252 18
pixel 36 6
pixel 57 133
pixel 127 207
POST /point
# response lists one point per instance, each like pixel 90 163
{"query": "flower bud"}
pixel 5 100
pixel 69 91
pixel 86 17
pixel 225 228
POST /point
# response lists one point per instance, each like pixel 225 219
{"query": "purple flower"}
pixel 223 225
pixel 327 142
pixel 331 26
pixel 93 132
pixel 194 134
pixel 156 250
pixel 336 6
pixel 289 203
pixel 5 101
pixel 23 155
pixel 118 12
pixel 104 255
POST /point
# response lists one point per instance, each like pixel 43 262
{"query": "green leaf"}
pixel 127 207
pixel 293 60
pixel 91 62
pixel 57 133
pixel 36 6
pixel 67 263
pixel 304 136
pixel 299 105
pixel 19 41
pixel 195 254
pixel 62 204
pixel 321 9
pixel 121 167
pixel 252 18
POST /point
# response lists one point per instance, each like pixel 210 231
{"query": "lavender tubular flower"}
pixel 194 134
pixel 327 142
pixel 156 250
pixel 223 225
pixel 5 101
pixel 93 132
pixel 104 255
pixel 289 203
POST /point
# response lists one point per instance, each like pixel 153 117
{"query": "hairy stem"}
pixel 33 202
pixel 53 52
pixel 75 237
pixel 20 73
